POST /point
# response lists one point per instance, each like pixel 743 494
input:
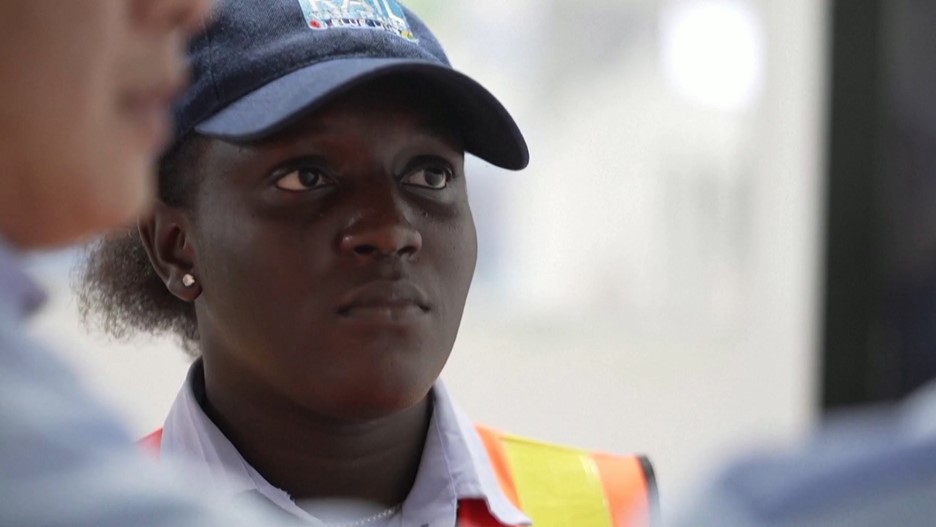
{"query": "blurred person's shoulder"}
pixel 870 468
pixel 66 458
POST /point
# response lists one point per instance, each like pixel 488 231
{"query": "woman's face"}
pixel 84 109
pixel 335 260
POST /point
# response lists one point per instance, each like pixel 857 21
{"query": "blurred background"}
pixel 652 282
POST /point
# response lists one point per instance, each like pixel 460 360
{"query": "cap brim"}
pixel 488 129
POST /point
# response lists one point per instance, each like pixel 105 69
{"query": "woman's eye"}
pixel 429 176
pixel 303 179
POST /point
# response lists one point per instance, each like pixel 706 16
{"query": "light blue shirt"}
pixel 871 469
pixel 454 466
pixel 64 458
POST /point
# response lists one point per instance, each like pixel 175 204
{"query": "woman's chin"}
pixel 378 402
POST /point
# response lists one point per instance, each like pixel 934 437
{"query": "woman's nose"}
pixel 171 15
pixel 380 232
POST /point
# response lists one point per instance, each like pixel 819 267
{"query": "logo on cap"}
pixel 386 15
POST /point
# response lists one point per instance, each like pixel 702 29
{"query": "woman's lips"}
pixel 149 111
pixel 384 301
pixel 385 312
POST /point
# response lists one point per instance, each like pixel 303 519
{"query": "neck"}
pixel 28 218
pixel 14 212
pixel 313 456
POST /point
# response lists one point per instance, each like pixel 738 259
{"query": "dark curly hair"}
pixel 118 290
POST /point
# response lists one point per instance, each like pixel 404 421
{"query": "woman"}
pixel 314 248
pixel 84 112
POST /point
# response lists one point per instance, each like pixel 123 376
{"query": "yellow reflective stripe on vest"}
pixel 560 486
pixel 557 487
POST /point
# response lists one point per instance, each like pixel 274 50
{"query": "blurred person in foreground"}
pixel 313 247
pixel 870 469
pixel 84 92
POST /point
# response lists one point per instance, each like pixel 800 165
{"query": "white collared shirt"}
pixel 454 464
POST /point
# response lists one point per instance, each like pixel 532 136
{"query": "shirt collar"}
pixel 20 292
pixel 454 465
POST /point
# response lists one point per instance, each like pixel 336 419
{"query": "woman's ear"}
pixel 165 238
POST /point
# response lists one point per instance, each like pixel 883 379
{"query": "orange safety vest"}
pixel 556 486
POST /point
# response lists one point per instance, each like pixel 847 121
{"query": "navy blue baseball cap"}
pixel 260 65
